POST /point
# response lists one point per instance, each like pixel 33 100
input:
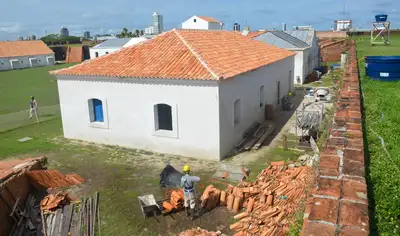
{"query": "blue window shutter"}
pixel 98 110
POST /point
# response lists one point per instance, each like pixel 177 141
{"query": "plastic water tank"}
pixel 381 18
pixel 385 68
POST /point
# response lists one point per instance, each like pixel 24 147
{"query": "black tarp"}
pixel 170 177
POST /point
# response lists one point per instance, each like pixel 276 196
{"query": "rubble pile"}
pixel 175 199
pixel 199 232
pixel 269 201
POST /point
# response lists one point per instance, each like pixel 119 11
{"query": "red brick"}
pixel 338 133
pixel 317 229
pixel 329 165
pixel 353 190
pixel 354 215
pixel 354 168
pixel 354 126
pixel 355 178
pixel 352 232
pixel 354 155
pixel 337 142
pixel 341 113
pixel 324 209
pixel 329 187
pixel 354 133
pixel 355 143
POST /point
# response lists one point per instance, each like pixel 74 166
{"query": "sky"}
pixel 35 17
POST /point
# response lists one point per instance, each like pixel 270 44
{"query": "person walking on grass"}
pixel 33 107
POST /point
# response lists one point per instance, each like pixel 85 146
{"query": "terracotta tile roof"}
pixel 184 54
pixel 11 167
pixel 255 33
pixel 209 19
pixel 24 48
pixel 53 179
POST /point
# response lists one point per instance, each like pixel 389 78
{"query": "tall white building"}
pixel 158 25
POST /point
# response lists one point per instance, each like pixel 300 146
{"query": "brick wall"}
pixel 14 187
pixel 330 51
pixel 339 205
pixel 74 54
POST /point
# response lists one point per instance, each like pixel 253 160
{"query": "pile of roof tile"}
pixel 52 201
pixel 270 201
pixel 210 198
pixel 199 232
pixel 175 200
pixel 53 179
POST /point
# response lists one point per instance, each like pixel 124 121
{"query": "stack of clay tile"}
pixel 199 232
pixel 175 201
pixel 210 198
pixel 269 202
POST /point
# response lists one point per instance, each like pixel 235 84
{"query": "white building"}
pixel 308 35
pixel 25 54
pixel 185 92
pixel 157 27
pixel 343 25
pixel 284 40
pixel 112 45
pixel 202 22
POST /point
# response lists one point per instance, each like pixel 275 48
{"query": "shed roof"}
pixel 184 54
pixel 281 39
pixel 14 166
pixel 306 35
pixel 113 43
pixel 24 48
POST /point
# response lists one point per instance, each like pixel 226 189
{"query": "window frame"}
pixel 174 115
pixel 237 112
pixel 90 111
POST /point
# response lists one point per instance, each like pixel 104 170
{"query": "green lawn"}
pixel 16 86
pixel 382 119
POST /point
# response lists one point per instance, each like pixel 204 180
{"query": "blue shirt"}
pixel 187 181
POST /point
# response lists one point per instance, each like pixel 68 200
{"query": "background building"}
pixel 112 45
pixel 202 22
pixel 25 54
pixel 86 34
pixel 236 27
pixel 343 25
pixel 64 32
pixel 157 27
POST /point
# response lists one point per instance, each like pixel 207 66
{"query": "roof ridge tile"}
pixel 193 51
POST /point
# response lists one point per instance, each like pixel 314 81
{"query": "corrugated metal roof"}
pixel 113 43
pixel 305 35
pixel 281 39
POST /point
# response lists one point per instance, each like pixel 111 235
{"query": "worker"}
pixel 33 106
pixel 187 183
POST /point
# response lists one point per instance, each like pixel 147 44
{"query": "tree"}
pixel 137 32
pixel 141 32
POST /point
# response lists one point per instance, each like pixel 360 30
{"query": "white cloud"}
pixel 11 27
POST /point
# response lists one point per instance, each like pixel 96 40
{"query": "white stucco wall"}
pixel 246 87
pixel 101 51
pixel 129 114
pixel 199 24
pixel 26 61
pixel 315 55
pixel 298 67
pixel 214 26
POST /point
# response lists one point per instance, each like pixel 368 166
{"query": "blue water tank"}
pixel 385 68
pixel 381 18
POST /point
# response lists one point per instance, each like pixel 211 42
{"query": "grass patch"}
pixel 16 86
pixel 297 221
pixel 382 118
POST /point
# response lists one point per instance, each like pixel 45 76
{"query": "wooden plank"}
pixel 254 139
pixel 98 212
pixel 56 222
pixel 64 220
pixel 269 131
pixel 43 229
pixel 74 229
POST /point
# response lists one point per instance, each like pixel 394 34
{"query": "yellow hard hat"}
pixel 186 169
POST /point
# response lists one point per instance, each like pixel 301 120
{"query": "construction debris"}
pixel 78 218
pixel 174 200
pixel 254 137
pixel 231 173
pixel 52 179
pixel 199 232
pixel 211 197
pixel 27 221
pixel 52 201
pixel 269 201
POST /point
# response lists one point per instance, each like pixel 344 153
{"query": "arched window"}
pixel 96 110
pixel 237 111
pixel 262 100
pixel 163 117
